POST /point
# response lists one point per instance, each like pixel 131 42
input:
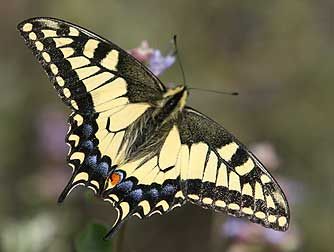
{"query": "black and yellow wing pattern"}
pixel 106 88
pixel 221 174
pixel 136 144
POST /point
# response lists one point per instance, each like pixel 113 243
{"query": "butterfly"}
pixel 136 144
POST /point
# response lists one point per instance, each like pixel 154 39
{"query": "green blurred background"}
pixel 278 54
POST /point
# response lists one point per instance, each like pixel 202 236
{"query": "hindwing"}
pixel 221 174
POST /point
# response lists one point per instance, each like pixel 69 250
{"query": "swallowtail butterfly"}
pixel 136 144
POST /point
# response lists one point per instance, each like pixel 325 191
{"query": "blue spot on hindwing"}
pixel 167 190
pixel 87 130
pixel 88 145
pixel 154 193
pixel 103 168
pixel 91 161
pixel 125 187
pixel 136 195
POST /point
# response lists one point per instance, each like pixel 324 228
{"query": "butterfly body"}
pixel 136 144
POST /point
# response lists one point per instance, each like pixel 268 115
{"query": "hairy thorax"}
pixel 145 137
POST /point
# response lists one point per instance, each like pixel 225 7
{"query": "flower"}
pixel 143 52
pixel 158 63
pixel 153 58
pixel 241 231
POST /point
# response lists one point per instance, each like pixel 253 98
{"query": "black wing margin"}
pixel 221 174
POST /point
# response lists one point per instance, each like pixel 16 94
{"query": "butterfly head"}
pixel 176 97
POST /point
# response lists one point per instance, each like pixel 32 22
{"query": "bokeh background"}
pixel 278 54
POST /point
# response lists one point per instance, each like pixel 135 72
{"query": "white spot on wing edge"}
pixel 220 203
pixel 233 206
pixel 54 69
pixel 80 176
pixel 27 27
pixel 39 46
pixel 125 209
pixel 60 81
pixel 164 205
pixel 32 36
pixel 145 206
pixel 74 138
pixel 67 92
pixel 78 155
pixel 46 56
pixel 282 221
pixel 79 119
pixel 207 201
pixel 261 215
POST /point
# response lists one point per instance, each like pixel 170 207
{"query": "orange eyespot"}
pixel 115 178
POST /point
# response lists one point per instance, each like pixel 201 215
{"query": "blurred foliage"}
pixel 91 239
pixel 278 54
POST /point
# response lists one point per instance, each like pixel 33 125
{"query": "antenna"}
pixel 215 91
pixel 176 53
pixel 179 60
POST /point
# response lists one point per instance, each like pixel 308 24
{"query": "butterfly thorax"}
pixel 147 134
pixel 175 98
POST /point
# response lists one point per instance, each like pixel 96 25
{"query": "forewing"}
pixel 221 174
pixel 106 87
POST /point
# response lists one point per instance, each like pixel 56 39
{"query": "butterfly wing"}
pixel 150 184
pixel 220 173
pixel 106 88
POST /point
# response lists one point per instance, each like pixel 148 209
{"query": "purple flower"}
pixel 153 58
pixel 158 63
pixel 143 52
pixel 243 231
